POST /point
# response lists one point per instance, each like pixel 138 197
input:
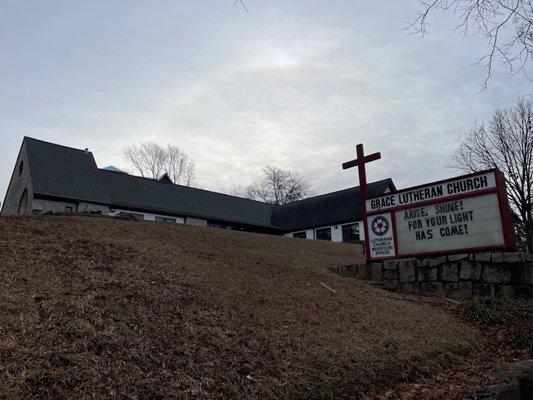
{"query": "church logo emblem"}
pixel 380 225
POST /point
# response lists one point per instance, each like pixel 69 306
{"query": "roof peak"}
pixel 112 168
pixel 85 151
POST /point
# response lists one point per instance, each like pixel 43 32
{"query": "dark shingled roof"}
pixel 130 191
pixel 64 172
pixel 327 209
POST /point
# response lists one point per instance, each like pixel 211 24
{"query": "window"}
pixel 323 233
pixel 165 219
pixel 21 167
pixel 69 209
pixel 350 233
pixel 300 235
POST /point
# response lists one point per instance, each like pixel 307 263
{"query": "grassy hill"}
pixel 101 308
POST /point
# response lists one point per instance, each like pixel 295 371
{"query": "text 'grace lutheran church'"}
pixel 428 193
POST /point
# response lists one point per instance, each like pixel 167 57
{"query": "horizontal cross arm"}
pixel 366 159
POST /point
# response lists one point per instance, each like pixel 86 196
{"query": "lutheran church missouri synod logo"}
pixel 380 225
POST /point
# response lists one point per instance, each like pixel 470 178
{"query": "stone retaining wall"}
pixel 460 276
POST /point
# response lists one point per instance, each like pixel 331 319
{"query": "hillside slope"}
pixel 101 308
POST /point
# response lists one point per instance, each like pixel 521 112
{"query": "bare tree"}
pixel 178 165
pixel 147 158
pixel 189 174
pixel 506 143
pixel 279 186
pixel 151 160
pixel 507 26
pixel 240 191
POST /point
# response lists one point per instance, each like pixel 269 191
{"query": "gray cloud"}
pixel 294 84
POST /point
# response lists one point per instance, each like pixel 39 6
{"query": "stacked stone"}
pixel 461 276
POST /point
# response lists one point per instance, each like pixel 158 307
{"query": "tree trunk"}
pixel 527 217
pixel 529 236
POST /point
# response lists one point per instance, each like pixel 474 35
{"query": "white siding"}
pixel 336 233
pixel 91 207
pixel 147 216
pixel 361 230
pixel 40 205
pixel 196 221
pixel 309 234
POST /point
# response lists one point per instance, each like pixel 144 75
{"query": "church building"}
pixel 49 177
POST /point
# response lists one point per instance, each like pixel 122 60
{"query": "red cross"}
pixel 360 162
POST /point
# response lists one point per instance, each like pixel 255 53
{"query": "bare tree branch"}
pixel 507 25
pixel 241 2
pixel 279 186
pixel 506 143
pixel 179 166
pixel 152 160
pixel 240 191
pixel 147 158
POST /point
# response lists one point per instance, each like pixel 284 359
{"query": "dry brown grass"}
pixel 99 308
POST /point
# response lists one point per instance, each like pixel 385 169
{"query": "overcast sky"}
pixel 295 84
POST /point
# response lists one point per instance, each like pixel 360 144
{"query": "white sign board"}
pixel 462 214
pixel 470 223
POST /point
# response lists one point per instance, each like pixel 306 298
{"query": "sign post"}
pixel 360 162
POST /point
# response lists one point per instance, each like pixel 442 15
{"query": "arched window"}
pixel 21 167
pixel 23 203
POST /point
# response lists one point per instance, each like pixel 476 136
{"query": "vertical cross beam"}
pixel 360 162
pixel 361 170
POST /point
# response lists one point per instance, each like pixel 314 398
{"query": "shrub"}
pixel 487 311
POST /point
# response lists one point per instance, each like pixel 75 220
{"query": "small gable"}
pixel 165 178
